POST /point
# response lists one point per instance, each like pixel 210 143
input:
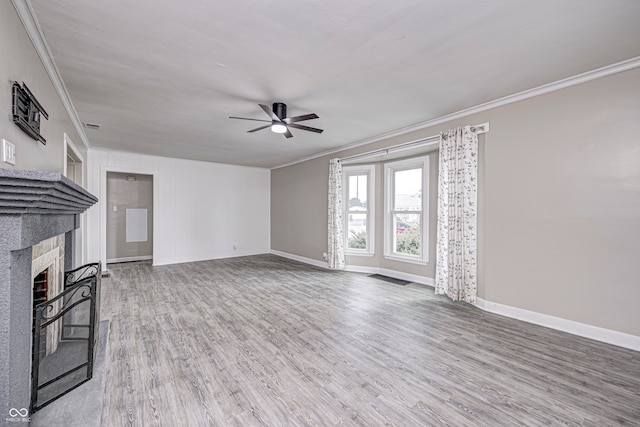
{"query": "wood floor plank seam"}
pixel 266 341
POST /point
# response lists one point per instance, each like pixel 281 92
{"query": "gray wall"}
pixel 125 195
pixel 559 203
pixel 20 62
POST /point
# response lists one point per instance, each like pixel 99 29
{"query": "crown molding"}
pixel 510 99
pixel 31 25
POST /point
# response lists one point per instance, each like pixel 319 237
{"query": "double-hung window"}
pixel 359 221
pixel 406 210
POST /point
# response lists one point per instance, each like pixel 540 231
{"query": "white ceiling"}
pixel 161 77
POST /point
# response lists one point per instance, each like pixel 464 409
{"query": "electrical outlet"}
pixel 8 152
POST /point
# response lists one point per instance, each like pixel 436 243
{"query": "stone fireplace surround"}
pixel 34 207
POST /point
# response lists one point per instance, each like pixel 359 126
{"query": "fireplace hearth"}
pixel 35 207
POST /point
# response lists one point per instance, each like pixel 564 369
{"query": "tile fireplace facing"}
pixel 38 209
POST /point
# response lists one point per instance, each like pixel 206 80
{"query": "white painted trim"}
pixel 576 328
pixel 391 273
pixel 81 243
pixel 389 194
pixel 362 269
pixel 130 259
pixel 103 211
pixel 32 27
pixel 370 172
pixel 608 336
pixel 315 262
pixel 352 252
pixel 65 155
pixel 359 269
pixel 588 76
pixel 76 152
pixel 408 259
pixel 421 143
pixel 210 258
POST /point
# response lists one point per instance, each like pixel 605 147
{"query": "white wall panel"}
pixel 202 210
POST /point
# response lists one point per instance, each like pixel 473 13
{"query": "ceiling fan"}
pixel 279 122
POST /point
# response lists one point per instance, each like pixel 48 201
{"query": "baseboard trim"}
pixel 315 262
pixel 608 336
pixel 236 254
pixel 130 259
pixel 423 280
pixel 360 269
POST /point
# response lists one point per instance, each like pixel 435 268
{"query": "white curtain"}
pixel 456 249
pixel 335 252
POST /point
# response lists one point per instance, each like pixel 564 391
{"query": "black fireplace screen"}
pixel 65 336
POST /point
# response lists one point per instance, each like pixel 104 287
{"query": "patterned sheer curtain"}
pixel 335 252
pixel 456 248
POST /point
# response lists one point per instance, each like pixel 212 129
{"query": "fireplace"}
pixel 47 265
pixel 39 212
pixel 64 323
pixel 65 335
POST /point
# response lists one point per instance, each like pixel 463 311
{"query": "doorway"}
pixel 73 169
pixel 129 219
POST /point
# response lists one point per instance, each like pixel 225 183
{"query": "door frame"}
pixel 71 151
pixel 103 211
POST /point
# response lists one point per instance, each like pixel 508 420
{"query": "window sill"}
pixel 367 254
pixel 406 259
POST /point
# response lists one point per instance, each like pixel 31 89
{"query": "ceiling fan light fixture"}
pixel 280 123
pixel 278 128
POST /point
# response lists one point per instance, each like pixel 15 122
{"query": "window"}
pixel 406 210
pixel 359 209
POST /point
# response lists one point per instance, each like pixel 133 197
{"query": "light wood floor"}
pixel 266 341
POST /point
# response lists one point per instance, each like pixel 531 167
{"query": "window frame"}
pixel 389 200
pixel 369 171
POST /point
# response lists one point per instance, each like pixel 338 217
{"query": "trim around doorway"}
pixel 70 150
pixel 130 259
pixel 103 210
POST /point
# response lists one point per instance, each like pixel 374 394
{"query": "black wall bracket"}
pixel 27 111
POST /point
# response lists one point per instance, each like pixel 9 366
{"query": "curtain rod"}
pixel 431 140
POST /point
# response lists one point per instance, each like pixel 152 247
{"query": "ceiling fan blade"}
pixel 245 118
pixel 289 120
pixel 288 134
pixel 302 127
pixel 269 112
pixel 260 128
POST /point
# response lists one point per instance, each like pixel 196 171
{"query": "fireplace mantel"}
pixel 41 193
pixel 34 206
